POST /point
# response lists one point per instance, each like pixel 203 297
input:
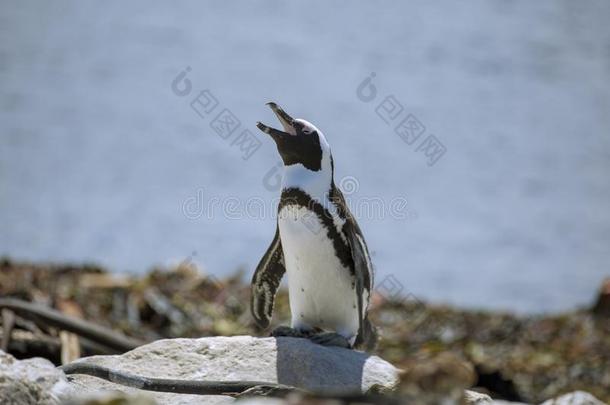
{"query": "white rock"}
pixel 476 398
pixel 31 381
pixel 288 361
pixel 574 398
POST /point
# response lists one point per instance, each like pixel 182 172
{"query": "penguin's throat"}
pixel 316 184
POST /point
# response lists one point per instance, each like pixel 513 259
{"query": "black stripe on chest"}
pixel 297 197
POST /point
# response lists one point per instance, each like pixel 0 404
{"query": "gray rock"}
pixel 31 381
pixel 288 361
pixel 574 398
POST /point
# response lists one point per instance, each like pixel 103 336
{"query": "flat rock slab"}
pixel 288 361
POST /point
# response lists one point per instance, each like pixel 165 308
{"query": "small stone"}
pixel 475 398
pixel 574 398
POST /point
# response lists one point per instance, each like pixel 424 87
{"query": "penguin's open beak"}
pixel 285 119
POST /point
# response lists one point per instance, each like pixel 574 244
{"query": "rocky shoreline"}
pixel 526 359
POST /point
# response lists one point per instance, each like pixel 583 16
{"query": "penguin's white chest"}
pixel 321 289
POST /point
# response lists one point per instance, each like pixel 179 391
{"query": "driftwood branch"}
pixel 48 316
pixel 175 386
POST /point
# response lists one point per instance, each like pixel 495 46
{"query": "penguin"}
pixel 318 244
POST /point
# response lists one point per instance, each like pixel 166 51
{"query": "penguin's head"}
pixel 300 142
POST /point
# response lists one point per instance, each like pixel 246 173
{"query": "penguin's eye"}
pixel 306 129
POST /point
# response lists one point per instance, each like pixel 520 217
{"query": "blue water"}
pixel 101 161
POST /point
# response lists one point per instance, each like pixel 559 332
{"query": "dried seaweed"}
pixel 527 358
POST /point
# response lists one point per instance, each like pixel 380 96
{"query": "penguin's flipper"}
pixel 363 269
pixel 266 281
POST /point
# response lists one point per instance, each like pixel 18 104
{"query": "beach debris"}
pixel 517 358
pixel 601 307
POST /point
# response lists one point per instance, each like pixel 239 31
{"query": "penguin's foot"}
pixel 287 331
pixel 330 339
